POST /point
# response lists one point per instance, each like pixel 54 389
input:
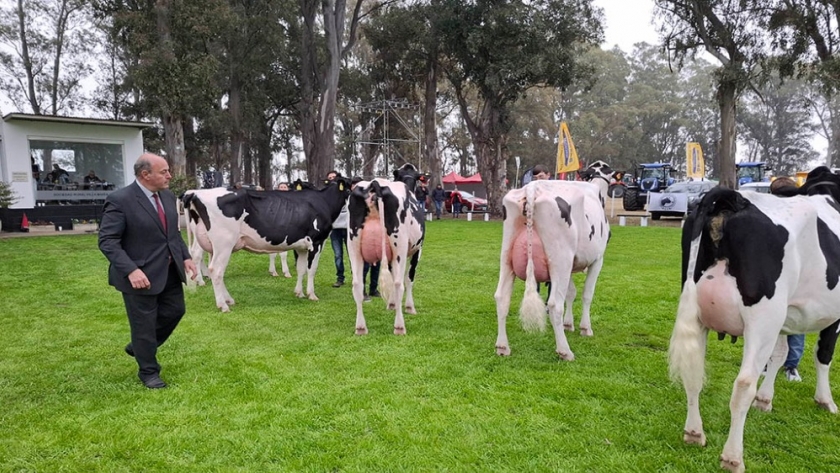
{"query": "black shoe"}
pixel 338 284
pixel 375 294
pixel 154 382
pixel 129 350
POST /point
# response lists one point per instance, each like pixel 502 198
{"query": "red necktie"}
pixel 160 211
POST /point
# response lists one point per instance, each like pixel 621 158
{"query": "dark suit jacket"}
pixel 131 236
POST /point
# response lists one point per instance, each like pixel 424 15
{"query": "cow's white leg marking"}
pixel 272 270
pixel 569 316
pixel 687 360
pixel 559 285
pixel 310 275
pixel 823 395
pixel 301 271
pixel 588 294
pixel 284 264
pixel 764 396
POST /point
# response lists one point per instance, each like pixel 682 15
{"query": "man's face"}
pixel 283 187
pixel 541 176
pixel 331 176
pixel 158 178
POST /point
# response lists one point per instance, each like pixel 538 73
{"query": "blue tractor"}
pixel 651 177
pixel 751 172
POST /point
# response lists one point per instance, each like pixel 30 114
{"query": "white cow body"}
pixel 761 267
pixel 386 224
pixel 552 229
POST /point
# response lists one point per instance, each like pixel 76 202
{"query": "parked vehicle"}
pixel 762 187
pixel 471 202
pixel 651 177
pixel 678 198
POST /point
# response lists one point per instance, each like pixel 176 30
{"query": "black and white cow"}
pixel 264 222
pixel 761 267
pixel 551 230
pixel 386 225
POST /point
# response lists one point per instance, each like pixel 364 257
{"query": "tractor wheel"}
pixel 631 199
pixel 616 191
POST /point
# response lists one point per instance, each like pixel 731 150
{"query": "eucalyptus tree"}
pixel 44 54
pixel 175 70
pixel 806 37
pixel 701 115
pixel 729 31
pixel 502 48
pixel 778 128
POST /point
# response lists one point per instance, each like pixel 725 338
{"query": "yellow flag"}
pixel 695 168
pixel 567 158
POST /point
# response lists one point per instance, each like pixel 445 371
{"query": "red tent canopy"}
pixel 455 178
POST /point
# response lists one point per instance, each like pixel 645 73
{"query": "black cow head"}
pixel 299 185
pixel 598 169
pixel 407 174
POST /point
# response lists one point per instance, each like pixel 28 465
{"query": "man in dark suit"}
pixel 149 261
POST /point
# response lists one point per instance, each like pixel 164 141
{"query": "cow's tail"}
pixel 386 279
pixel 687 351
pixel 192 279
pixel 532 310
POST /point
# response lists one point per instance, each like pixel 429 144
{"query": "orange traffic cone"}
pixel 24 224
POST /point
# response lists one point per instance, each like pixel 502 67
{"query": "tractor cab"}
pixel 751 172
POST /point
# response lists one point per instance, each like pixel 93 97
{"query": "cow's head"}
pixel 821 181
pixel 598 169
pixel 407 174
pixel 299 185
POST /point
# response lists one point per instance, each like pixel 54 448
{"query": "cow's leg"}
pixel 588 294
pixel 560 281
pixel 569 316
pixel 823 356
pixel 284 264
pixel 218 265
pixel 197 255
pixel 764 396
pixel 409 284
pixel 398 268
pixel 687 360
pixel 357 266
pixel 762 324
pixel 312 265
pixel 301 266
pixel 503 293
pixel 272 270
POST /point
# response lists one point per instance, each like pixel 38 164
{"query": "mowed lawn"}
pixel 283 384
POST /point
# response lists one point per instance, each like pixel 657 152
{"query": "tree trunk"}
pixel 174 138
pixel 727 100
pixel 27 64
pixel 263 146
pixel 430 143
pixel 833 138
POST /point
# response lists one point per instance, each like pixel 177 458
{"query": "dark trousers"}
pixel 338 239
pixel 374 277
pixel 152 319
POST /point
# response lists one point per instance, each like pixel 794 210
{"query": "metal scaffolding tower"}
pixel 389 112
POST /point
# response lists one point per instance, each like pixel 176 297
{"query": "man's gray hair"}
pixel 143 164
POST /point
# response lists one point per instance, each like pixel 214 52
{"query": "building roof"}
pixel 73 120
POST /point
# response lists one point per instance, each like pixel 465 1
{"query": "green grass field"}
pixel 282 384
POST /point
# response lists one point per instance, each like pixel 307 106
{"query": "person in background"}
pixel 338 236
pixel 283 186
pixel 421 192
pixel 91 178
pixel 58 175
pixel 796 343
pixel 148 259
pixel 439 197
pixel 36 170
pixel 541 173
pixel 456 201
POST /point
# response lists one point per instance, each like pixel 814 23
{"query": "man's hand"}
pixel 190 269
pixel 139 280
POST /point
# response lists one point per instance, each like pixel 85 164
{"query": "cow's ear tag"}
pixel 341 186
pixel 298 187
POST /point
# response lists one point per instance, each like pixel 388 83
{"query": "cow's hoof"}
pixel 273 273
pixel 566 356
pixel 392 306
pixel 733 465
pixel 299 295
pixel 827 405
pixel 503 351
pixel 361 330
pixel 224 308
pixel 569 327
pixel 585 332
pixel 694 438
pixel 313 297
pixel 762 404
pixel 287 275
pixel 410 310
pixel 399 330
pixel 200 282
